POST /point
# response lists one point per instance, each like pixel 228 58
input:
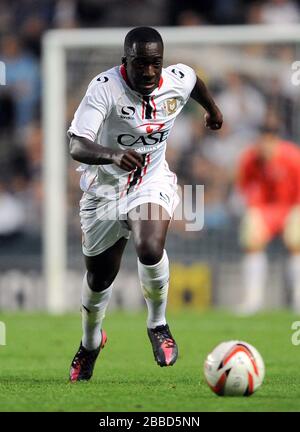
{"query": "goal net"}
pixel 249 71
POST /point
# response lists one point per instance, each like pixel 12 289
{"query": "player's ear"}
pixel 124 60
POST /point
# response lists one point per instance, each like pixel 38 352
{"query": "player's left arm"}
pixel 213 116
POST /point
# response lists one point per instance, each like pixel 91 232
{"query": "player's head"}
pixel 272 123
pixel 269 134
pixel 143 58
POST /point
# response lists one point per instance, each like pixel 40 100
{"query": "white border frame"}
pixel 55 42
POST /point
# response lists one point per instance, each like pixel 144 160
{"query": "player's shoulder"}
pixel 181 78
pixel 180 72
pixel 249 154
pixel 106 81
pixel 289 149
pixel 289 145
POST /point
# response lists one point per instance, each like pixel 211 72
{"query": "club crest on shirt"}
pixel 171 106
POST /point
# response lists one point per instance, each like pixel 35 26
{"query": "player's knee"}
pixel 99 281
pixel 291 232
pixel 253 233
pixel 150 251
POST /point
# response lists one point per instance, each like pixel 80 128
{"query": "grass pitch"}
pixel 35 362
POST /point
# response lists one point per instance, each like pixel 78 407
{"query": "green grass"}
pixel 34 364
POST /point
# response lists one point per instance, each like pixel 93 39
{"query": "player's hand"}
pixel 128 160
pixel 214 120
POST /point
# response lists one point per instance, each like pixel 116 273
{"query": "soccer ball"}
pixel 234 368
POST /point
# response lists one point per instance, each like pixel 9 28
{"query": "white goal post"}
pixel 55 45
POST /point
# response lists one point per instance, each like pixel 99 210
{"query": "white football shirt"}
pixel 117 117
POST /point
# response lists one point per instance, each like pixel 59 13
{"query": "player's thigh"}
pixel 291 231
pixel 149 224
pixel 100 227
pixel 254 231
pixel 103 239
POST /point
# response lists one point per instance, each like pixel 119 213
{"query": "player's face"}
pixel 143 64
pixel 267 144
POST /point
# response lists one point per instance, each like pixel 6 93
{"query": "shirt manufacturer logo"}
pixel 102 79
pixel 127 112
pixel 164 197
pixel 178 73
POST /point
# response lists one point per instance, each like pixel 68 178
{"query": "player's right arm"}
pixel 94 108
pixel 85 151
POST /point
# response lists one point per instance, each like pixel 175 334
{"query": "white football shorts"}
pixel 104 221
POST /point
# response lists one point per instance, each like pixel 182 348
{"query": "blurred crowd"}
pixel 198 156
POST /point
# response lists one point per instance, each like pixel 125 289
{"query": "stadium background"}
pixel 205 264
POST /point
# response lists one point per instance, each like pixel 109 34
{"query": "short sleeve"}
pixel 186 77
pixel 92 111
